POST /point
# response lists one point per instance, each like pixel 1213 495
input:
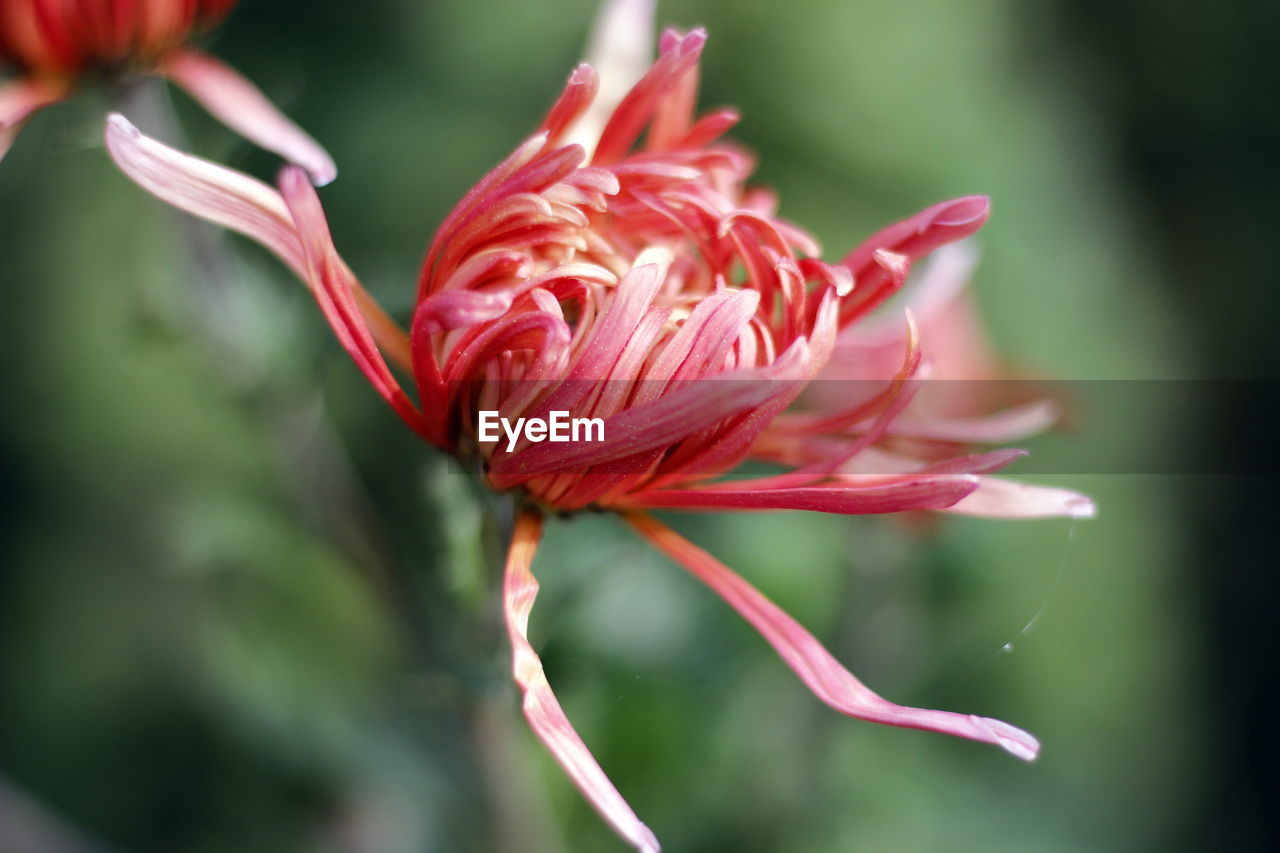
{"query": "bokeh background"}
pixel 242 609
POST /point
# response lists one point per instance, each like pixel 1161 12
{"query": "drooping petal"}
pixel 332 283
pixel 815 666
pixel 215 193
pixel 233 200
pixel 21 99
pixel 541 709
pixel 996 497
pixel 241 106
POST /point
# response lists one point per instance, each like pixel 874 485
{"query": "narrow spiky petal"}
pixel 860 496
pixel 910 239
pixel 236 201
pixel 999 498
pixel 241 106
pixel 334 288
pixel 541 708
pixel 815 666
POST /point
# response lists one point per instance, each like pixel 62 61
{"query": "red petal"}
pixel 333 285
pixel 541 709
pixel 899 495
pixel 232 200
pixel 912 238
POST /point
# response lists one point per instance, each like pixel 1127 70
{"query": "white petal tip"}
pixel 322 174
pixel 1081 507
pixel 648 843
pixel 116 123
pixel 1011 739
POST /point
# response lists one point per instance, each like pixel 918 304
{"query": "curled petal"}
pixel 541 709
pixel 332 283
pixel 620 50
pixel 239 105
pixel 232 200
pixel 815 666
pixel 996 497
pixel 911 239
pixel 675 415
pixel 456 309
pixel 214 193
pixel 578 94
pixel 648 94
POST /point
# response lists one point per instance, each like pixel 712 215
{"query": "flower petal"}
pixel 911 239
pixel 620 50
pixel 694 406
pixel 333 284
pixel 219 195
pixel 240 105
pixel 1013 424
pixel 996 497
pixel 637 108
pixel 19 100
pixel 855 498
pixel 815 666
pixel 541 709
pixel 232 200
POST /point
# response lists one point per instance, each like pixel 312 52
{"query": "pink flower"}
pixel 55 44
pixel 643 283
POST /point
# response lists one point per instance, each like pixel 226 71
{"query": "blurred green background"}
pixel 241 608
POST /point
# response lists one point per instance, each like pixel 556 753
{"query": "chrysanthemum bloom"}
pixel 57 45
pixel 641 282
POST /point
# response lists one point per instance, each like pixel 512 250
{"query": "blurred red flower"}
pixel 55 45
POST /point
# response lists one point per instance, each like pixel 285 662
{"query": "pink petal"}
pixel 636 109
pixel 1013 424
pixel 222 196
pixel 232 200
pixel 333 285
pixel 541 709
pixel 239 105
pixel 912 239
pixel 1000 498
pixel 666 420
pixel 919 492
pixel 579 92
pixel 19 100
pixel 931 296
pixel 815 666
